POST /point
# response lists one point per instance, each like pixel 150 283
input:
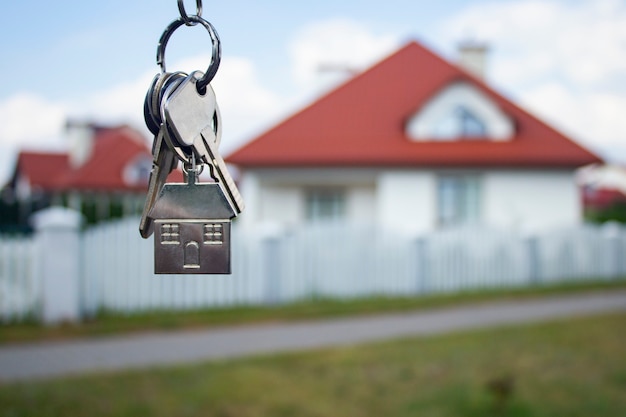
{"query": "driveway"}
pixel 55 359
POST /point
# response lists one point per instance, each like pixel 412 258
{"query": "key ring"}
pixel 183 12
pixel 216 56
pixel 192 167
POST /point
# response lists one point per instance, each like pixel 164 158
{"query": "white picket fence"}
pixel 117 266
pixel 20 290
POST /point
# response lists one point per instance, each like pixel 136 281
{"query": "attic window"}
pixel 460 111
pixel 460 123
pixel 137 172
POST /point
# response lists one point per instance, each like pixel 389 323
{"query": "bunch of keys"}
pixel 191 221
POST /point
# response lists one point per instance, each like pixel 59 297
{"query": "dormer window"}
pixel 459 112
pixel 460 123
pixel 137 172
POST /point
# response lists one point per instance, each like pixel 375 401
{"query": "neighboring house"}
pixel 104 175
pixel 413 144
pixel 604 191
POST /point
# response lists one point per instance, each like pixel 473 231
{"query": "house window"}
pixel 138 171
pixel 458 199
pixel 213 234
pixel 325 205
pixel 460 123
pixel 469 124
pixel 170 234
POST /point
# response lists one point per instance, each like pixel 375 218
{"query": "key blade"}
pixel 188 112
pixel 207 151
pixel 164 162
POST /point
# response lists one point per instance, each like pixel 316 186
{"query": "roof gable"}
pixel 363 123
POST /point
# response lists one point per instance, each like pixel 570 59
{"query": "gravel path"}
pixel 54 359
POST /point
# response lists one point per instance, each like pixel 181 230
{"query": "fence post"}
pixel 611 232
pixel 534 260
pixel 272 267
pixel 57 243
pixel 421 256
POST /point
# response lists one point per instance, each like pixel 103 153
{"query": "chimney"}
pixel 473 57
pixel 80 136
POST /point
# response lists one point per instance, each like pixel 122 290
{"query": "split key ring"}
pixel 183 12
pixel 215 41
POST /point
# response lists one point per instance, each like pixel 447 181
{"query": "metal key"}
pixel 164 160
pixel 163 164
pixel 152 102
pixel 194 122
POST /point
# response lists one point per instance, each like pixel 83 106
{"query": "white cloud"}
pixel 581 41
pixel 339 44
pixel 600 116
pixel 27 119
pixel 121 104
pixel 563 60
pixel 246 105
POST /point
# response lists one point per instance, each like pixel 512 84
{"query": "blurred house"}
pixel 413 144
pixel 603 192
pixel 104 175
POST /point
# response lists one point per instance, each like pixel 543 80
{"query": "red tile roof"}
pixel 41 168
pixel 113 150
pixel 362 123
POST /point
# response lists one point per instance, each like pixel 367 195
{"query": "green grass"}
pixel 574 367
pixel 108 323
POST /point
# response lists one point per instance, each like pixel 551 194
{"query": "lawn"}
pixel 109 323
pixel 574 367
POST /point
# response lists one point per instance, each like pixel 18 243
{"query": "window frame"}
pixel 325 204
pixel 459 199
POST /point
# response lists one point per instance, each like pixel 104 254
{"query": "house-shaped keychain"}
pixel 192 229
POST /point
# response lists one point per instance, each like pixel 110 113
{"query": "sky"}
pixel 562 60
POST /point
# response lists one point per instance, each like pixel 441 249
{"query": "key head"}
pixel 154 97
pixel 193 122
pixel 151 122
pixel 189 113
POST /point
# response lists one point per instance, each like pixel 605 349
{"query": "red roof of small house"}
pixel 362 123
pixel 114 149
pixel 42 169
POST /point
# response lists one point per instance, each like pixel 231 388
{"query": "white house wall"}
pixel 531 200
pixel 250 190
pixel 278 197
pixel 406 201
pixel 361 204
pixel 282 204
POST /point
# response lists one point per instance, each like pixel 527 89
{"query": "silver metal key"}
pixel 194 121
pixel 164 161
pixel 163 164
